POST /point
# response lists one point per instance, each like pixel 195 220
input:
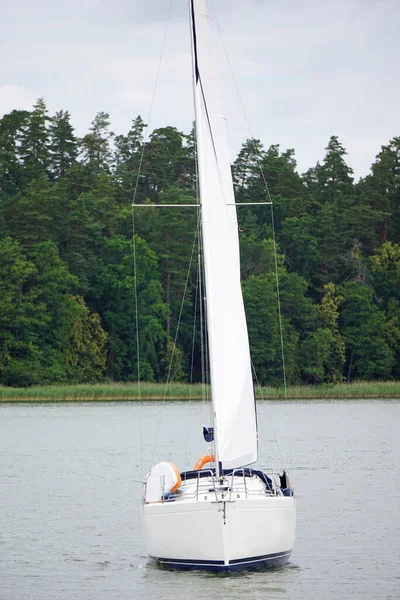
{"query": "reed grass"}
pixel 182 391
pixel 357 390
pixel 105 391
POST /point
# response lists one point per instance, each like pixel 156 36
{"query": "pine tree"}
pixel 383 189
pixel 34 215
pixel 188 177
pixel 127 161
pixel 335 175
pixel 12 126
pixel 162 161
pixel 96 150
pixel 63 146
pixel 328 247
pixel 34 143
pixel 247 166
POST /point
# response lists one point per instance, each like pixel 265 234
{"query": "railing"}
pixel 234 485
pixel 203 484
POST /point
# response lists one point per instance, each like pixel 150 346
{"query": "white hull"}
pixel 249 532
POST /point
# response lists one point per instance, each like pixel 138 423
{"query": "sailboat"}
pixel 223 514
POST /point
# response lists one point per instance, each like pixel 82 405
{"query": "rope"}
pixel 192 363
pixel 268 197
pixel 152 102
pixel 275 438
pixel 137 332
pixel 133 225
pixel 206 404
pixel 175 339
pixel 279 300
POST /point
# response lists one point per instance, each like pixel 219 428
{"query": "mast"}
pixel 235 433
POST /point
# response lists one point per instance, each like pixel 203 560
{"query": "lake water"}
pixel 70 496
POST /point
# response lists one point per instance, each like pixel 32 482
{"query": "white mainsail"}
pixel 230 368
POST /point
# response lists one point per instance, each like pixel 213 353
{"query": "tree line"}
pixel 71 249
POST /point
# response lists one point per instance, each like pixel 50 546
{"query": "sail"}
pixel 230 367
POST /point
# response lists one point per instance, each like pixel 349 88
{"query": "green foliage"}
pixel 329 247
pixel 12 126
pixel 116 295
pixel 300 245
pixel 67 278
pixel 363 325
pixel 385 269
pixel 382 189
pixel 18 318
pixel 38 318
pixel 85 342
pixel 393 333
pixel 95 145
pixel 63 146
pixel 335 175
pixel 332 346
pixel 257 257
pixel 173 246
pixel 34 143
pixel 162 163
pixel 298 323
pixel 385 272
pixel 172 363
pixel 259 293
pixel 127 160
pixel 315 355
pixel 32 218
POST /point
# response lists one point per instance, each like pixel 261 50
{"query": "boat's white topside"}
pixel 222 523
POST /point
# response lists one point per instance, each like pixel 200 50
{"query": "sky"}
pixel 297 72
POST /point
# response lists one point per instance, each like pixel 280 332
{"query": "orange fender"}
pixel 207 458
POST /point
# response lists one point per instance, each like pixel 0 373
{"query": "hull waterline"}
pixel 216 534
pixel 254 563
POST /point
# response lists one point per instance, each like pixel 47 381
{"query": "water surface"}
pixel 70 496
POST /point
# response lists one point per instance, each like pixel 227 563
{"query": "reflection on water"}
pixel 70 493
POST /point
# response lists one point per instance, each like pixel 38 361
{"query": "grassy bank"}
pixel 181 391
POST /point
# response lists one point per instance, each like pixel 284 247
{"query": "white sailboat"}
pixel 225 516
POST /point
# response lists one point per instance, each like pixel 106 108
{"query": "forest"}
pixel 87 284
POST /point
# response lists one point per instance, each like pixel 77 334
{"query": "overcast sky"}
pixel 305 69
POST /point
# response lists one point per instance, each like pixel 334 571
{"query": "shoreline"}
pixel 126 392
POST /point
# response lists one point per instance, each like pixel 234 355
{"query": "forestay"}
pixel 230 367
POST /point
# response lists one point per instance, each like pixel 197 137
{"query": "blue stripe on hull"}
pixel 253 563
